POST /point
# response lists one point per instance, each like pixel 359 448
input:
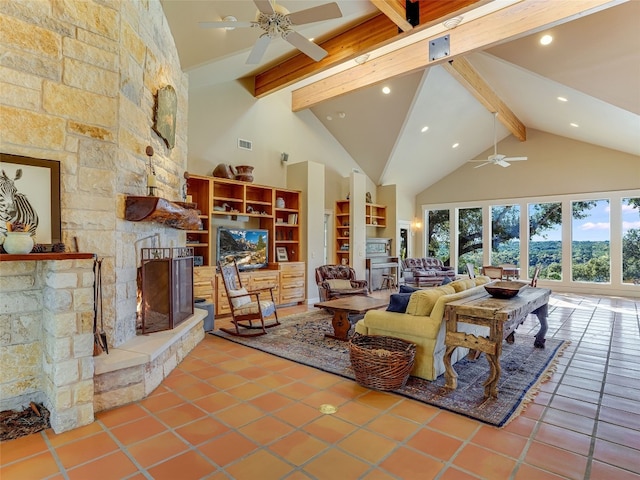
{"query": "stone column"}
pixel 67 342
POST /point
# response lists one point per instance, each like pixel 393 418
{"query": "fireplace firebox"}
pixel 165 281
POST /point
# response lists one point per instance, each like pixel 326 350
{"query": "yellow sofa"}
pixel 423 324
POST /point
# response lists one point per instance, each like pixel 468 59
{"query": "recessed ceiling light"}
pixel 546 40
pixel 329 117
pixel 424 129
pixel 455 145
pixel 311 39
pixel 386 90
pixel 342 114
pixel 362 58
pixel 574 125
pixel 562 99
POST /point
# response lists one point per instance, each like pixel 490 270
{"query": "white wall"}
pixel 220 114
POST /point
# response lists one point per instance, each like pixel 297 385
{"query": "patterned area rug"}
pixel 301 339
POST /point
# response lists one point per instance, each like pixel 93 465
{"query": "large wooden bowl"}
pixel 504 289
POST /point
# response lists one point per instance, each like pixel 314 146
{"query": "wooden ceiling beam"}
pixel 460 69
pixel 517 20
pixel 396 13
pixel 362 38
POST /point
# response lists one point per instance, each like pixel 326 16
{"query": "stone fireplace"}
pixel 81 79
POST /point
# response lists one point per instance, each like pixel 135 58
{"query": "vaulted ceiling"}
pixel 495 63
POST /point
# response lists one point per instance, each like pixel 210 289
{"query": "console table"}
pixel 502 317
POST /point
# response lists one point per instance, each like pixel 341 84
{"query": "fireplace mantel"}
pixel 6 257
pixel 160 210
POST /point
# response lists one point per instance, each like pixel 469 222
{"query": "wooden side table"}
pixel 502 317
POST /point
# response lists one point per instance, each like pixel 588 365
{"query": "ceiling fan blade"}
pixel 482 164
pixel 265 6
pixel 305 46
pixel 316 14
pixel 515 159
pixel 225 24
pixel 502 163
pixel 258 50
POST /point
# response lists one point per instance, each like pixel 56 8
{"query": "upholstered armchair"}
pixel 335 281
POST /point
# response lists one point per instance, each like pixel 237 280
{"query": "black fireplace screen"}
pixel 166 283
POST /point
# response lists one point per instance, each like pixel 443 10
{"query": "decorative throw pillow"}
pixel 242 299
pixel 398 302
pixel 407 289
pixel 422 302
pixel 446 281
pixel 339 284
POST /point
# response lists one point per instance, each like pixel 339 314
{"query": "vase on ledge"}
pixel 244 173
pixel 18 242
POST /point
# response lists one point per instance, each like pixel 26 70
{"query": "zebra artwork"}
pixel 15 206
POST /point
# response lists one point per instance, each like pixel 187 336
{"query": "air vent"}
pixel 245 144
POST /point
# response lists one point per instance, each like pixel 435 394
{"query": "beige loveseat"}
pixel 423 324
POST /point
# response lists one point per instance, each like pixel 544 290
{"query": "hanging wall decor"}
pixel 165 115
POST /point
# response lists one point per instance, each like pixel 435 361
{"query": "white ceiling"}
pixel 594 62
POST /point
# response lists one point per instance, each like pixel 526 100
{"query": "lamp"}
pixel 151 174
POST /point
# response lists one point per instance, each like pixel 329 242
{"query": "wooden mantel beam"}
pixel 514 21
pixel 463 72
pixel 396 13
pixel 362 38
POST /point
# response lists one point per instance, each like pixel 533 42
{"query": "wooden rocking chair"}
pixel 246 305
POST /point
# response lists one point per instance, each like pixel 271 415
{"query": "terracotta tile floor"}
pixel 228 411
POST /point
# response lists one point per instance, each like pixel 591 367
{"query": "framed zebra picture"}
pixel 30 194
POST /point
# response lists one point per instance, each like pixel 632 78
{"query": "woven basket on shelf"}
pixel 381 363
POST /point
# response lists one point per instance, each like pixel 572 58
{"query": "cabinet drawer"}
pixel 291 295
pixel 291 267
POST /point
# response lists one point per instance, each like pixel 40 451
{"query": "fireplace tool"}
pixel 99 337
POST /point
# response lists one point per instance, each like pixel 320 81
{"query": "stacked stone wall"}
pixel 78 80
pixel 47 341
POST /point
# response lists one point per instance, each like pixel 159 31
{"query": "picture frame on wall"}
pixel 37 189
pixel 281 254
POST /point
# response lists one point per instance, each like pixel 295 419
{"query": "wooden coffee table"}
pixel 342 307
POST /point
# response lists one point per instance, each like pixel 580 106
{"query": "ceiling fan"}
pixel 497 158
pixel 276 21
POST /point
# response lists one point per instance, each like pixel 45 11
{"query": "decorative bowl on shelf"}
pixel 504 289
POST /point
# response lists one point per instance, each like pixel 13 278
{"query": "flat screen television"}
pixel 249 247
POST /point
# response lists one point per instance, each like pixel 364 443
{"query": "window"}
pixel 590 237
pixel 505 234
pixel 579 240
pixel 438 238
pixel 545 239
pixel 469 237
pixel 631 240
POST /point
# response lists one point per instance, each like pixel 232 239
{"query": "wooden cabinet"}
pixel 250 206
pixel 200 190
pixel 202 283
pixel 256 206
pixel 287 224
pixel 342 231
pixel 292 282
pixel 376 215
pixel 288 282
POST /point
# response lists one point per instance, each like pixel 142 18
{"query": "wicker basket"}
pixel 381 363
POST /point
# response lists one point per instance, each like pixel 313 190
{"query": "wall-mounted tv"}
pixel 249 247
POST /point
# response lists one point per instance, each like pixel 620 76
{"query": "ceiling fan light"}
pixel 229 18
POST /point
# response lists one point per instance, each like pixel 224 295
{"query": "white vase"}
pixel 279 202
pixel 18 242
